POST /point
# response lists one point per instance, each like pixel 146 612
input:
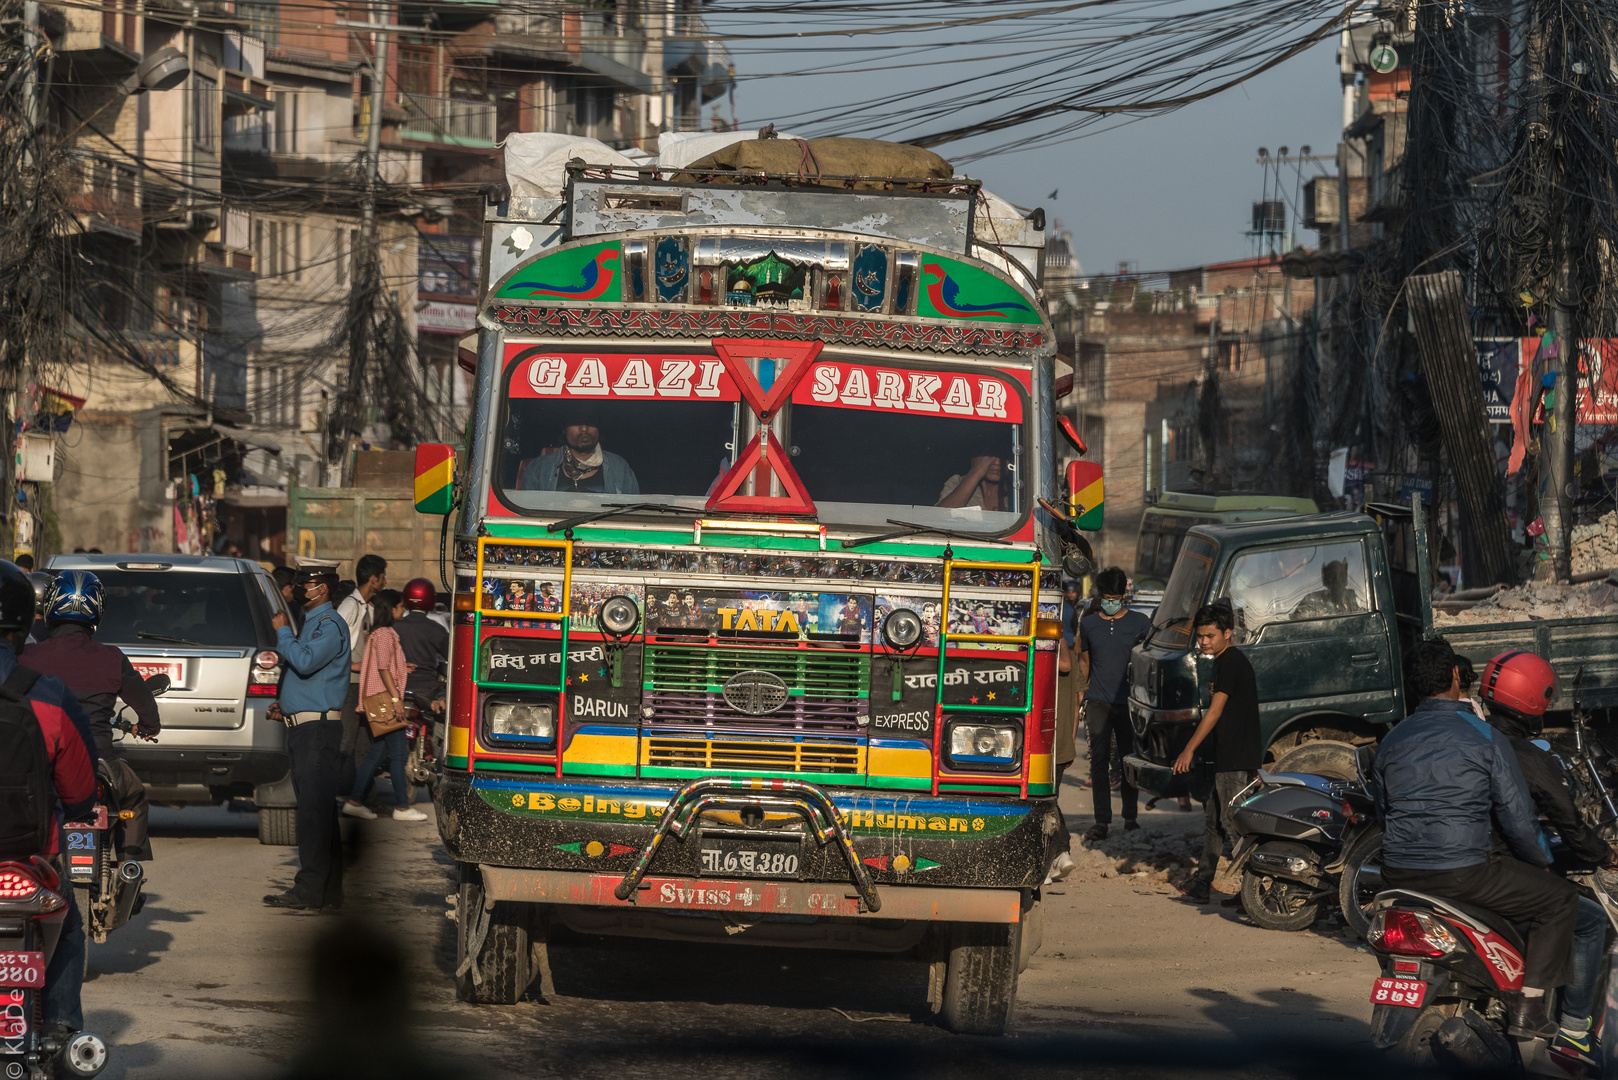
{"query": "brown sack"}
pixel 826 157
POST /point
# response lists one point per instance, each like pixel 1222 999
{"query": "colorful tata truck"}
pixel 756 602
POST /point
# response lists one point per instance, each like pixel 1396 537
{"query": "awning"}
pixel 251 438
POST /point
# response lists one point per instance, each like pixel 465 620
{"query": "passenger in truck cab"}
pixel 581 464
pixel 980 485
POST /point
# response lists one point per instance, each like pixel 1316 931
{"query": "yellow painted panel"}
pixel 460 741
pixel 1039 769
pixel 900 761
pixel 593 749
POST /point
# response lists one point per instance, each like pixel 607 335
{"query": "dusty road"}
pixel 1132 981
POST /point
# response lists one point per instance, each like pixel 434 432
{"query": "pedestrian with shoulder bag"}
pixel 382 679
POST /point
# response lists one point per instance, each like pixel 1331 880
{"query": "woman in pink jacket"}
pixel 384 669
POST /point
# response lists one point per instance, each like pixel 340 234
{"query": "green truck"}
pixel 1326 606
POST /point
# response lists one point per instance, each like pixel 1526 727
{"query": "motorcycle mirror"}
pixel 1542 744
pixel 158 684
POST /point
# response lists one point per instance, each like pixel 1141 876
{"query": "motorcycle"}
pixel 1448 973
pixel 109 890
pixel 1305 842
pixel 32 913
pixel 421 767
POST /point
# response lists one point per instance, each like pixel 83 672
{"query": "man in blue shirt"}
pixel 311 703
pixel 1441 779
pixel 1107 637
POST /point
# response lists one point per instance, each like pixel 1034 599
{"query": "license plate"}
pixel 1407 992
pixel 751 858
pixel 22 970
pixel 174 669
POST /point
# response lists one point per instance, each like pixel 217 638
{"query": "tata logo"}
pixel 755 692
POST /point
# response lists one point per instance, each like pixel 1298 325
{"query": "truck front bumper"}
pixel 752 897
pixel 599 828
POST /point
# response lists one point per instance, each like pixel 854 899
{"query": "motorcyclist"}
pixel 425 642
pixel 98 675
pixel 1517 687
pixel 1441 775
pixel 71 751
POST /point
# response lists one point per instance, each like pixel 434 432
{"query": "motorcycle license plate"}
pixel 22 970
pixel 1407 992
pixel 751 858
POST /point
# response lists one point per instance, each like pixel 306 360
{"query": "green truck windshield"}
pixel 1188 584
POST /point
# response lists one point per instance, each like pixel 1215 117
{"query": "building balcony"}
pixel 457 121
pixel 108 196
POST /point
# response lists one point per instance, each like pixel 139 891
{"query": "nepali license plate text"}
pixel 22 970
pixel 1407 992
pixel 748 858
pixel 174 669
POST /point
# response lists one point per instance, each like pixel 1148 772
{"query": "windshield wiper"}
pixel 623 508
pixel 912 529
pixel 144 636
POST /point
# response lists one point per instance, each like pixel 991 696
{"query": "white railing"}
pixel 449 119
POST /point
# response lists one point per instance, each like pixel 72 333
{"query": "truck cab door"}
pixel 1307 619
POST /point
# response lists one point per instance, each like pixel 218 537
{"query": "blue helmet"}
pixel 75 596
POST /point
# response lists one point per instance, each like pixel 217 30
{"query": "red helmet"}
pixel 1519 681
pixel 419 594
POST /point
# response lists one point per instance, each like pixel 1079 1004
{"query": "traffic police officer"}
pixel 311 703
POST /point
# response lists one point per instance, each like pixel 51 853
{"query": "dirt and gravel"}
pixel 1133 981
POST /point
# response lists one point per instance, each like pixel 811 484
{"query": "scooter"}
pixel 1306 842
pixel 1448 970
pixel 32 913
pixel 109 890
pixel 421 767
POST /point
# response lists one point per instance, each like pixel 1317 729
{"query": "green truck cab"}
pixel 1325 607
pixel 1164 525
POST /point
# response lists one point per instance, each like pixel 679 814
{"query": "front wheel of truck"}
pixel 980 979
pixel 491 948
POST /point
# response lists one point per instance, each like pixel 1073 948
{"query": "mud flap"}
pixel 1033 928
pixel 1389 1024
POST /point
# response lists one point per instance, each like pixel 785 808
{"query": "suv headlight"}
pixel 522 722
pixel 977 747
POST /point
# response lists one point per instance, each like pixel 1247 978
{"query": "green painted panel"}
pixel 586 272
pixel 957 290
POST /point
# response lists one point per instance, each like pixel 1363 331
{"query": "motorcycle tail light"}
pixel 16 886
pixel 1401 932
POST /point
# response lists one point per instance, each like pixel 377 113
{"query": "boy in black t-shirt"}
pixel 1232 718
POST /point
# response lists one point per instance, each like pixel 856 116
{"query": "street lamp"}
pixel 162 70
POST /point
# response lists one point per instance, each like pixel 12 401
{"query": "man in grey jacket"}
pixel 1440 777
pixel 581 465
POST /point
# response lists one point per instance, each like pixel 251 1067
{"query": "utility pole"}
pixel 373 129
pixel 30 181
pixel 1557 510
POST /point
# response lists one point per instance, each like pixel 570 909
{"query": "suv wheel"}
pixel 278 826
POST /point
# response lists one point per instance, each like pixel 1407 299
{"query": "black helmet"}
pixel 17 603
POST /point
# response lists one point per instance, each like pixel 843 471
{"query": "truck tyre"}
pixel 1322 757
pixel 278 826
pixel 1278 904
pixel 980 980
pixel 1360 880
pixel 503 957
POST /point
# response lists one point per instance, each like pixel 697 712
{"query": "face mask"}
pixel 1111 607
pixel 299 595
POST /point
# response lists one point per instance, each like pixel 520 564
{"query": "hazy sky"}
pixel 1163 192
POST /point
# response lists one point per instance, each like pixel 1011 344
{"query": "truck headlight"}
pixel 984 746
pixel 901 629
pixel 521 722
pixel 618 616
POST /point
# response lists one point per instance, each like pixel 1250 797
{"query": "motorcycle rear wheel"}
pixel 1277 904
pixel 1357 886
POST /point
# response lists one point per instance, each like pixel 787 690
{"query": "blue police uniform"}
pixel 311 697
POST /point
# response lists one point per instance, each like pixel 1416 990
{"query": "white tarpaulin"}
pixel 536 161
pixel 677 149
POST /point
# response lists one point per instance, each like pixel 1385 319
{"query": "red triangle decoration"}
pixel 794 356
pixel 756 459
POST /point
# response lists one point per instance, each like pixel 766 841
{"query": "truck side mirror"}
pixel 1086 495
pixel 435 478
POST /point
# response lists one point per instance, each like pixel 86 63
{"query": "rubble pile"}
pixel 1167 856
pixel 1536 600
pixel 1595 547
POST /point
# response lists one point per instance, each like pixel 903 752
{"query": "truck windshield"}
pixel 1188 584
pixel 861 458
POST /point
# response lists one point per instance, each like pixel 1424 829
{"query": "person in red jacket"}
pixel 98 675
pixel 71 752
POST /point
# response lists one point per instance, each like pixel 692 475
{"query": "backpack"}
pixel 26 800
